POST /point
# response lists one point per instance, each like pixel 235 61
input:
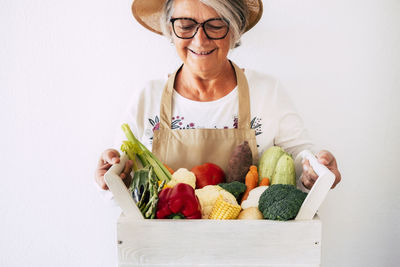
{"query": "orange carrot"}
pixel 264 181
pixel 169 169
pixel 251 181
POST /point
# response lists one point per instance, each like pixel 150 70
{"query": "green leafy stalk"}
pixel 145 155
pixel 133 149
pixel 127 147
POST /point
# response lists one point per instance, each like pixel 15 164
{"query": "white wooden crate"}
pixel 219 243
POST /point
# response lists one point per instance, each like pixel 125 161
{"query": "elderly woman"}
pixel 210 105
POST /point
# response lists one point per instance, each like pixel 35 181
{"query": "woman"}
pixel 209 105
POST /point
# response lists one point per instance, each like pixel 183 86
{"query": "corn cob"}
pixel 224 210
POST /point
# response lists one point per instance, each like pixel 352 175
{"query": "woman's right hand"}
pixel 107 159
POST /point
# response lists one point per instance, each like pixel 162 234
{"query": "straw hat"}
pixel 148 13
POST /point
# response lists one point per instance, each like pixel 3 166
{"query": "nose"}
pixel 200 37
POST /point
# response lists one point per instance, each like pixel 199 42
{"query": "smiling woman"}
pixel 235 12
pixel 209 105
pixel 202 57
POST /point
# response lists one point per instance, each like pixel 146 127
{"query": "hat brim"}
pixel 148 13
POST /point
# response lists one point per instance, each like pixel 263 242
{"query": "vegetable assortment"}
pixel 205 192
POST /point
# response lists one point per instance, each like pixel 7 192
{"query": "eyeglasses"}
pixel 186 28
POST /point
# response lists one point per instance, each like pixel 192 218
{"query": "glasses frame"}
pixel 172 20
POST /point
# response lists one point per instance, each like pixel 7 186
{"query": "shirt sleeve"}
pixel 291 134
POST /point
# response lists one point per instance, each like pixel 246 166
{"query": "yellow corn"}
pixel 224 210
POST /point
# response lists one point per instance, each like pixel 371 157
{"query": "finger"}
pixel 308 176
pixel 307 183
pixel 101 162
pixel 309 171
pixel 111 156
pixel 338 178
pixel 104 166
pixel 325 157
pixel 127 178
pixel 99 177
pixel 107 156
pixel 127 181
pixel 331 164
pixel 127 170
pixel 103 185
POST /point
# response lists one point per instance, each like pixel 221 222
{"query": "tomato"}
pixel 208 174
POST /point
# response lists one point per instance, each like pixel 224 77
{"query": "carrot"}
pixel 251 181
pixel 264 181
pixel 171 171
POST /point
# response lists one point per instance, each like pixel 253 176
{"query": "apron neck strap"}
pixel 243 93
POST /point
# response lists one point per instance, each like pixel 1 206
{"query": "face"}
pixel 200 54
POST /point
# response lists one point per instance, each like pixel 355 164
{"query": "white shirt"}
pixel 273 115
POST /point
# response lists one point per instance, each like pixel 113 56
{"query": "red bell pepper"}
pixel 179 202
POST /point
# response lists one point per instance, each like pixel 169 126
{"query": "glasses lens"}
pixel 184 28
pixel 216 29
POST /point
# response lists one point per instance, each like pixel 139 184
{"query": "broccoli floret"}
pixel 281 202
pixel 235 188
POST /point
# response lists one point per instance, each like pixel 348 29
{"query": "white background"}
pixel 67 69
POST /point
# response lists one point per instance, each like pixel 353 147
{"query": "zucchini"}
pixel 278 166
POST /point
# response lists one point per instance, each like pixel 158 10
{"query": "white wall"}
pixel 68 67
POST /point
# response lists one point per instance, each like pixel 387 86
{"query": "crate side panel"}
pixel 219 242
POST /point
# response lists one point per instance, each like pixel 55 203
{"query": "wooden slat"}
pixel 222 243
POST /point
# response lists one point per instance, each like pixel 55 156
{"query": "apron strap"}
pixel 244 98
pixel 243 93
pixel 166 102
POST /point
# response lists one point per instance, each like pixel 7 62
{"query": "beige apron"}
pixel 190 147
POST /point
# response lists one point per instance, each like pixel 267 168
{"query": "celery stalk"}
pixel 135 149
pixel 161 172
pixel 127 147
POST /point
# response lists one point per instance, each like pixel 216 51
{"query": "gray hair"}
pixel 234 11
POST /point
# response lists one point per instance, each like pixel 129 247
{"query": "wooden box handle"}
pixel 319 190
pixel 121 194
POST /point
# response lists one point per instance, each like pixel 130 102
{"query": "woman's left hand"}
pixel 308 177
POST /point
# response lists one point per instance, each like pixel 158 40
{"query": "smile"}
pixel 202 53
